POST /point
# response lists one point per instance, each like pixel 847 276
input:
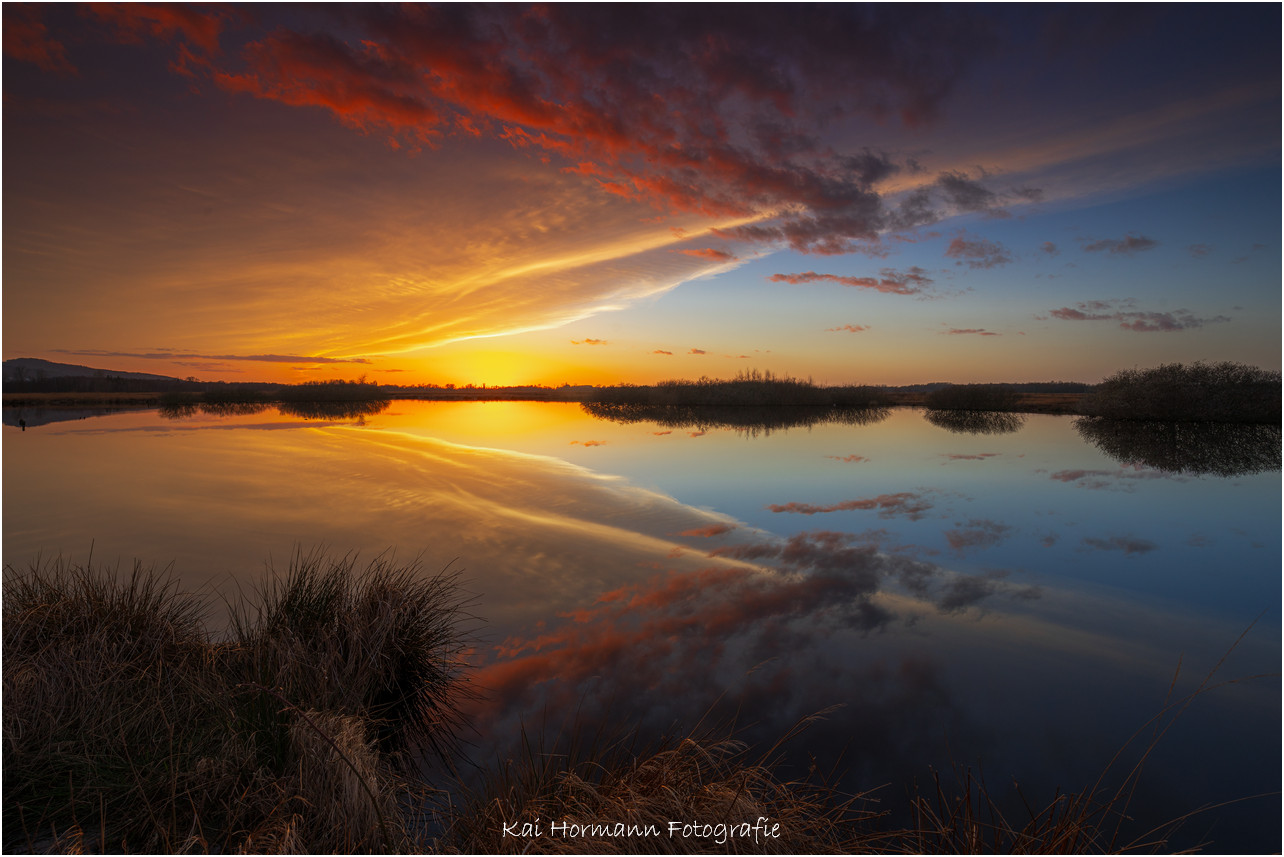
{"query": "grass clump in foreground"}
pixel 128 727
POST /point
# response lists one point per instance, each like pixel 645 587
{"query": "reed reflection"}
pixel 975 422
pixel 750 420
pixel 1219 449
pixel 303 410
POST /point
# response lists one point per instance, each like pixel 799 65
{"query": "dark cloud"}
pixel 1125 246
pixel 977 533
pixel 978 253
pixel 965 194
pixel 910 282
pixel 723 119
pixel 1128 544
pixel 1131 319
pixel 906 503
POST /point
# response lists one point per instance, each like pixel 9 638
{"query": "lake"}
pixel 1016 597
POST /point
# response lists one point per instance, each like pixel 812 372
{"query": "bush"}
pixel 1197 392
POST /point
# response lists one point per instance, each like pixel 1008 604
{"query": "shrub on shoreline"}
pixel 1196 392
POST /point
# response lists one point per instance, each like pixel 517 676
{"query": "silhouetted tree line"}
pixel 751 388
pixel 973 397
pixel 1196 392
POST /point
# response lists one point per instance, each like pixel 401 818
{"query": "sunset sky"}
pixel 592 193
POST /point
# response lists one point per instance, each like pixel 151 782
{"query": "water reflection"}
pixel 1221 449
pixel 975 422
pixel 305 410
pixel 746 419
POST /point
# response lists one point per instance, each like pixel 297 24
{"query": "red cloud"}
pixel 588 442
pixel 853 328
pixel 722 122
pixel 709 531
pixel 26 38
pixel 162 21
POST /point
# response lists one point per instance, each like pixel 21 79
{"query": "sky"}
pixel 600 193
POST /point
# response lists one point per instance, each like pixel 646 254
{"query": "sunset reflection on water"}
pixel 1016 600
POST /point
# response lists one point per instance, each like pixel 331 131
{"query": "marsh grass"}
pixel 129 727
pixel 618 796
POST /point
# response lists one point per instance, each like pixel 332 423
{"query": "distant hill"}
pixel 28 369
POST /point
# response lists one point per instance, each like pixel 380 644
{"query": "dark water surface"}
pixel 1013 597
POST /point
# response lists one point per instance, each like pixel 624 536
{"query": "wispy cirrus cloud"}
pixel 181 355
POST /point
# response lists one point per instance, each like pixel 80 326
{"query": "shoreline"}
pixel 1028 403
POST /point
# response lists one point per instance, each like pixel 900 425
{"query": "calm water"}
pixel 1010 598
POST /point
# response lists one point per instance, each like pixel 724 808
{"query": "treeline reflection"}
pixel 303 410
pixel 747 419
pixel 1220 449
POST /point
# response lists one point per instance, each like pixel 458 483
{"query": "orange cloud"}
pixel 712 254
pixel 589 342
